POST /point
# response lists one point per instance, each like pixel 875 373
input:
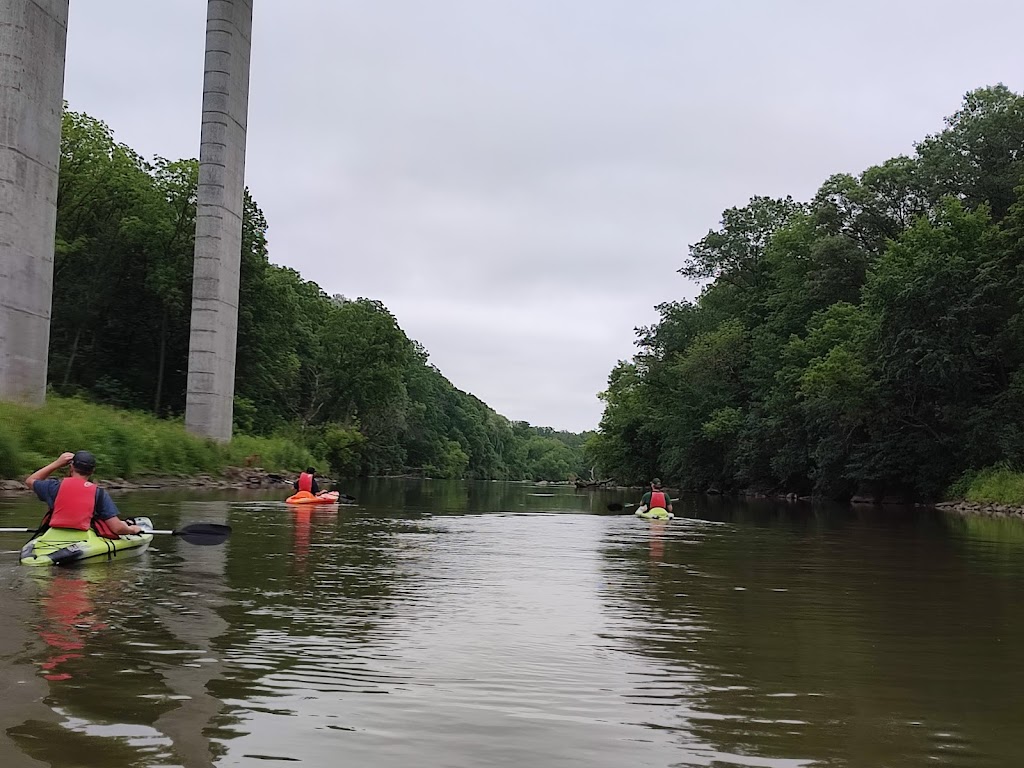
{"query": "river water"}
pixel 491 624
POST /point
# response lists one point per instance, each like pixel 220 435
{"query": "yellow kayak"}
pixel 656 513
pixel 61 546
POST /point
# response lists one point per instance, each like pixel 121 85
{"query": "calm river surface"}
pixel 466 625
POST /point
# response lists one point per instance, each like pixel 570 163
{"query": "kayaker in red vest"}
pixel 307 482
pixel 656 497
pixel 75 502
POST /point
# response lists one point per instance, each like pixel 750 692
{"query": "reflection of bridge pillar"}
pixel 32 45
pixel 203 584
pixel 211 356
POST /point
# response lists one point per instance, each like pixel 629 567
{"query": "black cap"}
pixel 84 462
pixel 310 470
pixel 656 483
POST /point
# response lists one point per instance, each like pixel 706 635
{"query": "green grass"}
pixel 996 486
pixel 128 444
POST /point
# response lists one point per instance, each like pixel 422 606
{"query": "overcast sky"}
pixel 519 180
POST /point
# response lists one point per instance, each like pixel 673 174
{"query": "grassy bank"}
pixel 993 486
pixel 127 444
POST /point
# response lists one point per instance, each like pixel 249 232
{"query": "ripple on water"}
pixel 397 639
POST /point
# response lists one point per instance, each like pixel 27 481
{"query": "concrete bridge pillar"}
pixel 33 36
pixel 211 358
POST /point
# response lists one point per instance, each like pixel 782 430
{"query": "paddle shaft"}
pixel 33 530
pixel 193 533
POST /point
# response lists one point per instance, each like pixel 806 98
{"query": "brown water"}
pixel 439 624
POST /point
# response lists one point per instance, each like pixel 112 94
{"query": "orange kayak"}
pixel 305 497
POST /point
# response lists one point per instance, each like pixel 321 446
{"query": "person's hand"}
pixel 134 529
pixel 66 458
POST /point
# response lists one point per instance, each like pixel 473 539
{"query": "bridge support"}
pixel 33 36
pixel 214 330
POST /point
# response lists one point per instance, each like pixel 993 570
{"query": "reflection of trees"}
pixel 991 543
pixel 794 633
pixel 409 496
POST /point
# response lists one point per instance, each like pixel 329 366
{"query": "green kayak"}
pixel 657 513
pixel 61 546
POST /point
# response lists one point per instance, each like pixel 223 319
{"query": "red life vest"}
pixel 306 482
pixel 658 500
pixel 75 504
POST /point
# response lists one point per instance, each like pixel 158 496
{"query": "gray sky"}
pixel 518 180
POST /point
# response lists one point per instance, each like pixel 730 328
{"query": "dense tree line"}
pixel 337 374
pixel 868 341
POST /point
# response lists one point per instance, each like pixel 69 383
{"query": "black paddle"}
pixel 200 534
pixel 616 507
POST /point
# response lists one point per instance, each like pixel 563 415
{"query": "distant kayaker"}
pixel 75 502
pixel 656 497
pixel 307 482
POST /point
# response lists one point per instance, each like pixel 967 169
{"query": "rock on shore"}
pixel 232 477
pixel 981 508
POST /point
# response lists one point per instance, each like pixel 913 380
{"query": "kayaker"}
pixel 656 497
pixel 75 502
pixel 307 482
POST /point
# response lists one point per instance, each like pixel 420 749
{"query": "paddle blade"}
pixel 615 507
pixel 204 534
pixel 347 498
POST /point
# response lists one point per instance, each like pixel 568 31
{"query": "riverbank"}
pixel 232 477
pixel 997 493
pixel 981 508
pixel 134 445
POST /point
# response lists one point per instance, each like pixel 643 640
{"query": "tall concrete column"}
pixel 211 355
pixel 33 35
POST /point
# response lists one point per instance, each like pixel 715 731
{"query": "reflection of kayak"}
pixel 305 497
pixel 657 513
pixel 60 546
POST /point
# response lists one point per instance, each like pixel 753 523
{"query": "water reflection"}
pixel 803 636
pixel 124 650
pixel 656 540
pixel 194 622
pixel 81 619
pixel 69 616
pixel 446 624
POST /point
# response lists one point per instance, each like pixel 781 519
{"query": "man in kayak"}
pixel 75 502
pixel 307 482
pixel 656 497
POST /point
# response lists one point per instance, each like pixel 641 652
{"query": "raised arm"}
pixel 41 474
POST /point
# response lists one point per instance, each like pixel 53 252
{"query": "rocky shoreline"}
pixel 240 478
pixel 232 478
pixel 981 508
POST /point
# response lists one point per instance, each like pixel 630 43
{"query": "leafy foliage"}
pixel 335 377
pixel 866 342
